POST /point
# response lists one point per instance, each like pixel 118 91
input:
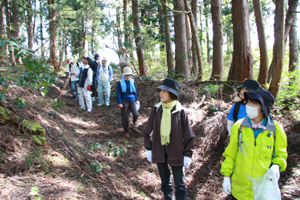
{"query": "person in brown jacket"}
pixel 168 138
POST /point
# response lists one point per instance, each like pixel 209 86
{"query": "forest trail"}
pixel 88 157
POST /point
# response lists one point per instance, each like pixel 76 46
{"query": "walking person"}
pixel 94 67
pixel 124 59
pixel 84 85
pixel 168 138
pixel 238 110
pixel 257 147
pixel 127 100
pixel 73 71
pixel 105 76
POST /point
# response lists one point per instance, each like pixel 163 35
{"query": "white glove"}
pixel 187 161
pixel 138 105
pixel 227 185
pixel 149 155
pixel 273 172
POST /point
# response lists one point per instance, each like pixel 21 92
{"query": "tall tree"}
pixel 194 8
pixel 294 52
pixel 278 50
pixel 168 43
pixel 181 51
pixel 288 23
pixel 263 69
pixel 8 32
pixel 15 26
pixel 206 11
pixel 195 38
pixel 41 28
pixel 29 23
pixel 52 31
pixel 218 63
pixel 189 43
pixel 138 38
pixel 241 65
pixel 126 23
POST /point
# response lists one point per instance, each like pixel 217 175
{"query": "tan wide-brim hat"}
pixel 127 71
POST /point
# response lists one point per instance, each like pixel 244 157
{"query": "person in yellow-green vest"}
pixel 257 146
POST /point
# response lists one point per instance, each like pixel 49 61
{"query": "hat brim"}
pixel 164 87
pixel 127 74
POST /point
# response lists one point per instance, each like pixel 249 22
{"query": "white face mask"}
pixel 252 112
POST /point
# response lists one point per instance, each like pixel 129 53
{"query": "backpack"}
pixel 236 110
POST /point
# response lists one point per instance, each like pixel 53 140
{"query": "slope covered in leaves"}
pixel 87 156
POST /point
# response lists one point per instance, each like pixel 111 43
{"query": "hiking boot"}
pixel 107 105
pixel 134 129
pixel 74 96
pixel 126 134
pixel 100 104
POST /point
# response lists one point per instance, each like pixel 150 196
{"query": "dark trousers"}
pixel 166 183
pixel 232 197
pixel 124 112
pixel 122 67
pixel 94 86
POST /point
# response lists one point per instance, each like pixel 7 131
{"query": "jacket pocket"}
pixel 266 150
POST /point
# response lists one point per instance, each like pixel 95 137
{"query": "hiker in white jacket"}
pixel 73 71
pixel 84 85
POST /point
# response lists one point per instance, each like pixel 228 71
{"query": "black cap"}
pixel 169 85
pixel 96 56
pixel 251 85
pixel 264 96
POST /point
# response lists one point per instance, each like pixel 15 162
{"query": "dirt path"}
pixel 87 156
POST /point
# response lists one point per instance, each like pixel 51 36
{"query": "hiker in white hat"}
pixel 104 78
pixel 127 100
pixel 73 71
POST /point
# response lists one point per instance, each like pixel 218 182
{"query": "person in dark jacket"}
pixel 127 100
pixel 168 138
pixel 94 67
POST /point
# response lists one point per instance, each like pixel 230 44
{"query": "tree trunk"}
pixel 138 38
pixel 170 61
pixel 263 69
pixel 29 25
pixel 189 43
pixel 126 25
pixel 52 32
pixel 15 27
pixel 218 63
pixel 161 28
pixel 293 54
pixel 118 19
pixel 2 34
pixel 278 51
pixel 207 32
pixel 288 22
pixel 241 65
pixel 181 59
pixel 194 51
pixel 9 34
pixel 195 38
pixel 41 30
pixel 62 50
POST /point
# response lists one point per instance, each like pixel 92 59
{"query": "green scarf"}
pixel 165 126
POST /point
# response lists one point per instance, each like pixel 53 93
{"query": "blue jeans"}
pixel 166 183
pixel 106 86
pixel 73 86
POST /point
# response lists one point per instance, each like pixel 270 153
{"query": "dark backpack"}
pixel 236 110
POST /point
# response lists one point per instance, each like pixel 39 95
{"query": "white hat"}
pixel 104 58
pixel 71 59
pixel 127 71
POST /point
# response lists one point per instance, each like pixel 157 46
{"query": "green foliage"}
pixel 117 151
pixel 57 104
pixel 34 190
pixel 94 146
pixel 289 90
pixel 19 102
pixel 95 166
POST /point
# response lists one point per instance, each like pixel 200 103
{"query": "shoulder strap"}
pixel 236 111
pixel 77 64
